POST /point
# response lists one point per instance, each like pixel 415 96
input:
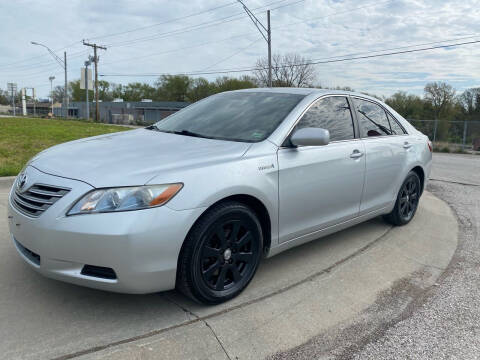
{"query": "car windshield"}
pixel 235 116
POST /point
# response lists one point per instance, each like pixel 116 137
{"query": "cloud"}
pixel 315 29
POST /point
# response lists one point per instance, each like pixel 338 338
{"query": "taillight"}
pixel 430 145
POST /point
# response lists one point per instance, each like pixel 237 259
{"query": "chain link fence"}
pixel 451 136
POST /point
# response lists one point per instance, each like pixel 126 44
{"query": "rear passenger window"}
pixel 395 126
pixel 372 119
pixel 333 114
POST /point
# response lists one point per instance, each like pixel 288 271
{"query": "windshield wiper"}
pixel 188 133
pixel 179 132
pixel 153 127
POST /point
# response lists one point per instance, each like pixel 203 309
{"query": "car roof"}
pixel 307 91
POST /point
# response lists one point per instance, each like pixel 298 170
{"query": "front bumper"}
pixel 141 247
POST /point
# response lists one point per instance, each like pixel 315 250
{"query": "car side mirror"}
pixel 310 137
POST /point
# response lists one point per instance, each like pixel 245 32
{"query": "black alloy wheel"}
pixel 221 254
pixel 407 201
pixel 227 255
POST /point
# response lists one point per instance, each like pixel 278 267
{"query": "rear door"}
pixel 386 147
pixel 321 186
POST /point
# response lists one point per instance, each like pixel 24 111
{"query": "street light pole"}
pixel 63 64
pixel 51 78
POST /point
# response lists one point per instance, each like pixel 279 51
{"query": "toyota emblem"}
pixel 22 180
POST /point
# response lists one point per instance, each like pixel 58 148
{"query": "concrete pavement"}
pixel 294 297
pixel 411 322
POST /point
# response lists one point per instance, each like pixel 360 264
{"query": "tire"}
pixel 407 201
pixel 221 254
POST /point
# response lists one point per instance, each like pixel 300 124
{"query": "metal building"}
pixel 125 112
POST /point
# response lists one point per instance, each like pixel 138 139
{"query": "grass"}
pixel 22 138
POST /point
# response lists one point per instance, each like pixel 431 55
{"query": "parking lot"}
pixel 297 296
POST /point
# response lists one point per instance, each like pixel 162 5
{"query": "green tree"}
pixel 408 105
pixel 441 97
pixel 57 93
pixel 104 92
pixel 138 91
pixel 200 88
pixel 228 83
pixel 4 97
pixel 173 87
pixel 78 94
pixel 469 101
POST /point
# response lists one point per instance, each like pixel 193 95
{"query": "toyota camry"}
pixel 197 200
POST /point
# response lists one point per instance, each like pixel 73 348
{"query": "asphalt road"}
pixel 441 322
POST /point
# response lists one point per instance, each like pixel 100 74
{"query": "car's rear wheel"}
pixel 407 201
pixel 221 254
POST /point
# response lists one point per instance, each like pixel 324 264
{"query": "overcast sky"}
pixel 148 37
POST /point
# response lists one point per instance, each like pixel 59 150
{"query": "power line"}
pixel 40 64
pixel 241 35
pixel 312 62
pixel 164 22
pixel 136 58
pixel 230 18
pixel 335 14
pixel 39 56
pixel 232 55
pixel 401 47
pixel 78 42
pixel 227 19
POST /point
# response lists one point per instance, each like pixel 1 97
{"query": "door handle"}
pixel 356 154
pixel 407 145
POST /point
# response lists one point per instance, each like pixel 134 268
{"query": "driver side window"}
pixel 333 114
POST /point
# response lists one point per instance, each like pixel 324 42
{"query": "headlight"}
pixel 125 199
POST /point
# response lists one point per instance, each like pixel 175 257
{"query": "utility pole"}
pixel 269 42
pixel 65 91
pixel 12 87
pixel 266 33
pixel 51 78
pixel 34 103
pixel 464 140
pixel 63 64
pixel 87 64
pixel 95 59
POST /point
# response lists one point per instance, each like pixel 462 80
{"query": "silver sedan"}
pixel 195 201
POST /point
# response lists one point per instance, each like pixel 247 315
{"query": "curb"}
pixel 7 179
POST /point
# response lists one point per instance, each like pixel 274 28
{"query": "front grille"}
pixel 38 198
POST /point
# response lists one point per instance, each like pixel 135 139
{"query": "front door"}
pixel 320 186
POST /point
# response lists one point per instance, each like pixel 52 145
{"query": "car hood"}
pixel 132 157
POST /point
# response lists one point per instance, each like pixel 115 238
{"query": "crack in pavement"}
pixel 327 270
pixel 184 309
pixel 218 340
pixel 191 313
pixel 454 182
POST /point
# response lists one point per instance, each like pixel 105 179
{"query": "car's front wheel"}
pixel 407 201
pixel 221 254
